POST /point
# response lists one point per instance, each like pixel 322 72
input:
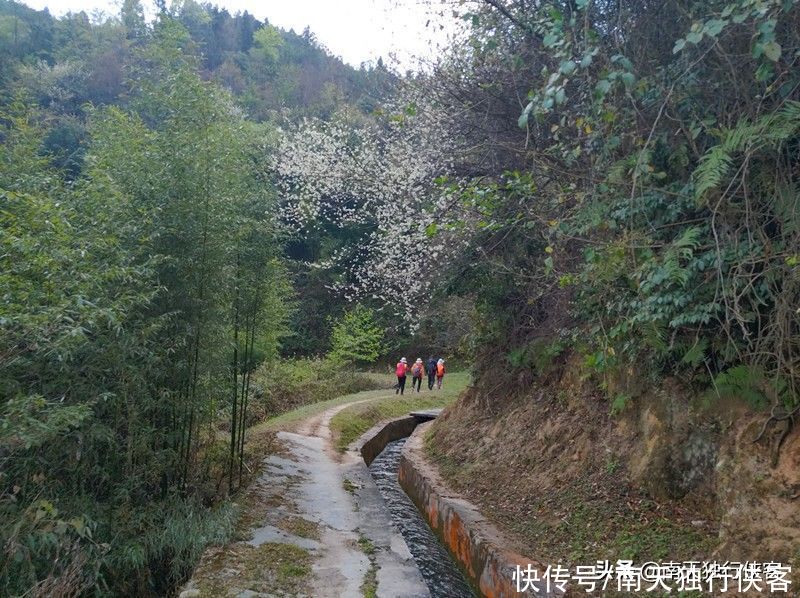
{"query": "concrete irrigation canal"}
pixel 372 521
pixel 435 564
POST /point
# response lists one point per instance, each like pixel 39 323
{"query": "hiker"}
pixel 401 369
pixel 440 371
pixel 431 368
pixel 416 372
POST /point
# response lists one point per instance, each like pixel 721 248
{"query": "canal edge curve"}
pixel 476 545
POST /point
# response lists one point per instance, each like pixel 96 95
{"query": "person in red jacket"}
pixel 417 371
pixel 401 369
pixel 440 371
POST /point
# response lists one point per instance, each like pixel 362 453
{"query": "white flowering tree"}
pixel 381 176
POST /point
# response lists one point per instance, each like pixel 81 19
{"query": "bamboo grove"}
pixel 136 299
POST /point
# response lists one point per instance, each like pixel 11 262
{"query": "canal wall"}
pixel 372 443
pixel 478 547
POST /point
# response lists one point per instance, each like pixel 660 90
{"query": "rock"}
pixel 189 593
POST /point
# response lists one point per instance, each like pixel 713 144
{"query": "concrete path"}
pixel 353 545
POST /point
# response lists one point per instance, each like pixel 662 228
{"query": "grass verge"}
pixel 290 419
pixel 369 586
pixel 285 384
pixel 352 422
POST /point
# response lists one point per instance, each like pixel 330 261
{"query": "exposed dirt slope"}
pixel 660 481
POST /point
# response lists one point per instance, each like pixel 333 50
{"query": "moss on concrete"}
pixel 349 486
pixel 277 569
pixel 300 527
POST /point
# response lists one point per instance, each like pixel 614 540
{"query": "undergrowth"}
pixel 286 384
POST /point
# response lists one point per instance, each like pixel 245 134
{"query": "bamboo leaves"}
pixel 127 294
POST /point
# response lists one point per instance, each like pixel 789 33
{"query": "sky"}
pixel 356 30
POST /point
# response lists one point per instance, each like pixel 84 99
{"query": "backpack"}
pixel 417 369
pixel 401 369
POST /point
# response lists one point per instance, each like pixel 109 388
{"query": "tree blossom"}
pixel 378 174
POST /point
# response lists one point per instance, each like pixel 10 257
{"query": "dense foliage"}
pixel 624 183
pixel 282 385
pixel 65 65
pixel 356 338
pixel 659 197
pixel 142 284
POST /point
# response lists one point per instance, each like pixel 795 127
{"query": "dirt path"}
pixel 319 426
pixel 313 525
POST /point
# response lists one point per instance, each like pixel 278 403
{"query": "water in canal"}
pixel 440 573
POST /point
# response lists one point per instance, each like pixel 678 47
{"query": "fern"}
pixel 784 123
pixel 787 207
pixel 655 336
pixel 743 382
pixel 768 132
pixel 696 353
pixel 709 174
pixel 689 241
pixel 682 248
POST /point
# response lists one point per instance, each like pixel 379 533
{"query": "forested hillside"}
pixel 593 202
pixel 66 65
pixel 143 279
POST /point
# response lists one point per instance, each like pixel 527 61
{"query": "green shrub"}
pixel 357 338
pixel 285 384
